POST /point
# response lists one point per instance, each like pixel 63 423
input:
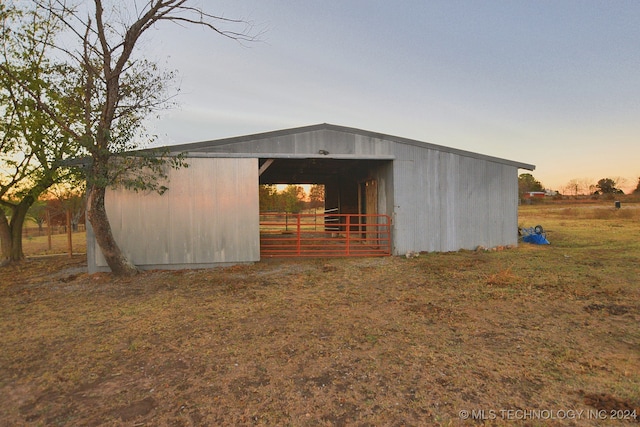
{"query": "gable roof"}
pixel 213 147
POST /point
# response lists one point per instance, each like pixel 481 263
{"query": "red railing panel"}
pixel 324 235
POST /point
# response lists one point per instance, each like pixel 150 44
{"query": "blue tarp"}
pixel 537 239
pixel 535 235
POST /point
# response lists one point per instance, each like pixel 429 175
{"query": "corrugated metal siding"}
pixel 440 199
pixel 335 142
pixel 384 177
pixel 445 202
pixel 251 144
pixel 208 216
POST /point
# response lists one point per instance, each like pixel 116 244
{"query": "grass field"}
pixel 536 335
pixel 39 245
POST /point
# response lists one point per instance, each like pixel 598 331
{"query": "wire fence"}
pixel 54 229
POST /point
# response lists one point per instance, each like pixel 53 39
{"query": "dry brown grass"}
pixel 316 342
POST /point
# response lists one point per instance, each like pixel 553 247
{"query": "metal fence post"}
pixel 298 234
pixel 347 233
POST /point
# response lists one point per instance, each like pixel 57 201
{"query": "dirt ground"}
pixel 534 335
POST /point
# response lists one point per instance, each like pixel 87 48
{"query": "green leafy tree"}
pixel 316 196
pixel 117 90
pixel 38 213
pixel 527 183
pixel 292 198
pixel 268 197
pixel 33 145
pixel 608 186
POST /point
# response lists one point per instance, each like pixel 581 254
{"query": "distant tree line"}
pixel 292 199
pixel 575 187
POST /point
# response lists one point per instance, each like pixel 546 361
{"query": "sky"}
pixel 550 83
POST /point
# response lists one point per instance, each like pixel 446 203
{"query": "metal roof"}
pixel 200 149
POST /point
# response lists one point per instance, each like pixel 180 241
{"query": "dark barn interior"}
pixel 344 180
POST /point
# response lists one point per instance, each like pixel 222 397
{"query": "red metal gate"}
pixel 324 235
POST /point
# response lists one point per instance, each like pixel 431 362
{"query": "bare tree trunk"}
pixel 5 239
pixel 17 222
pixel 11 232
pixel 97 216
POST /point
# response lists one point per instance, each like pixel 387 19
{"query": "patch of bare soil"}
pixel 518 337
